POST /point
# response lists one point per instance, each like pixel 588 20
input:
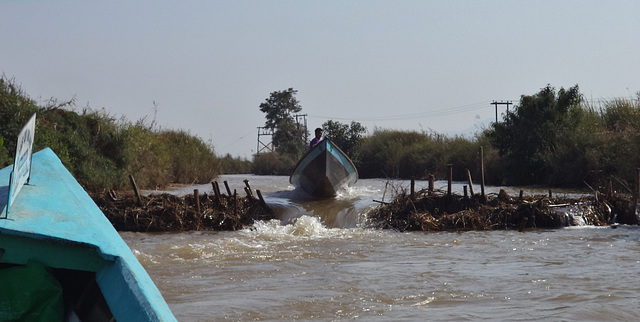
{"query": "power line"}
pixel 421 115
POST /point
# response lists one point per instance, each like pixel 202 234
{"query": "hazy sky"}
pixel 410 65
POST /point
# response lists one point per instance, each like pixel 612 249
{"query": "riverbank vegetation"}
pixel 552 138
pixel 100 150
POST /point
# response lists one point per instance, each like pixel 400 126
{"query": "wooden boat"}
pixel 61 259
pixel 324 170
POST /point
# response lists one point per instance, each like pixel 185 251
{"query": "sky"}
pixel 205 66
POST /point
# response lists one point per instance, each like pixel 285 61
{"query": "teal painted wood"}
pixel 324 170
pixel 53 209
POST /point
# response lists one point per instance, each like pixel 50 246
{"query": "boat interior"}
pixel 34 289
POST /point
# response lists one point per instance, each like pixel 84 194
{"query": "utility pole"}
pixel 304 119
pixel 265 131
pixel 501 103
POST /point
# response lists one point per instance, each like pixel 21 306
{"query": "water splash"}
pixel 302 227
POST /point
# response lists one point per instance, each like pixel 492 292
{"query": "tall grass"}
pixel 102 151
pixel 231 165
pixel 406 154
pixel 273 163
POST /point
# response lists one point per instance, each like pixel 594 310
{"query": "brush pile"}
pixel 442 212
pixel 167 212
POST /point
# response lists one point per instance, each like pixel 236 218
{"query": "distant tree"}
pixel 530 133
pixel 347 137
pixel 280 108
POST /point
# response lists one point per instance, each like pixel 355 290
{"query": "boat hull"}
pixel 54 231
pixel 324 171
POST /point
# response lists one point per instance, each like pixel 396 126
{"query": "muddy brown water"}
pixel 321 262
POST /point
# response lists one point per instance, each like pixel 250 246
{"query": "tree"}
pixel 531 133
pixel 347 137
pixel 288 136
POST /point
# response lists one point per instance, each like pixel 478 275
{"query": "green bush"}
pixel 101 151
pixel 407 154
pixel 273 163
pixel 192 160
pixel 230 165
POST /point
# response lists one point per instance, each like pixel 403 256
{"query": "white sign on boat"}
pixel 22 165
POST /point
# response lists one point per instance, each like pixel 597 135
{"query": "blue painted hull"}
pixel 324 170
pixel 55 223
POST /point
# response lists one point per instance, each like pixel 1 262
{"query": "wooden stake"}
pixel 482 172
pixel 432 178
pixel 450 179
pixel 216 189
pixel 135 190
pixel 635 198
pixel 262 202
pixel 413 187
pixel 196 196
pixel 226 185
pixel 470 182
pixel 235 202
pixel 246 183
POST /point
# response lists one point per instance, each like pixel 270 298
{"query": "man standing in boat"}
pixel 317 139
